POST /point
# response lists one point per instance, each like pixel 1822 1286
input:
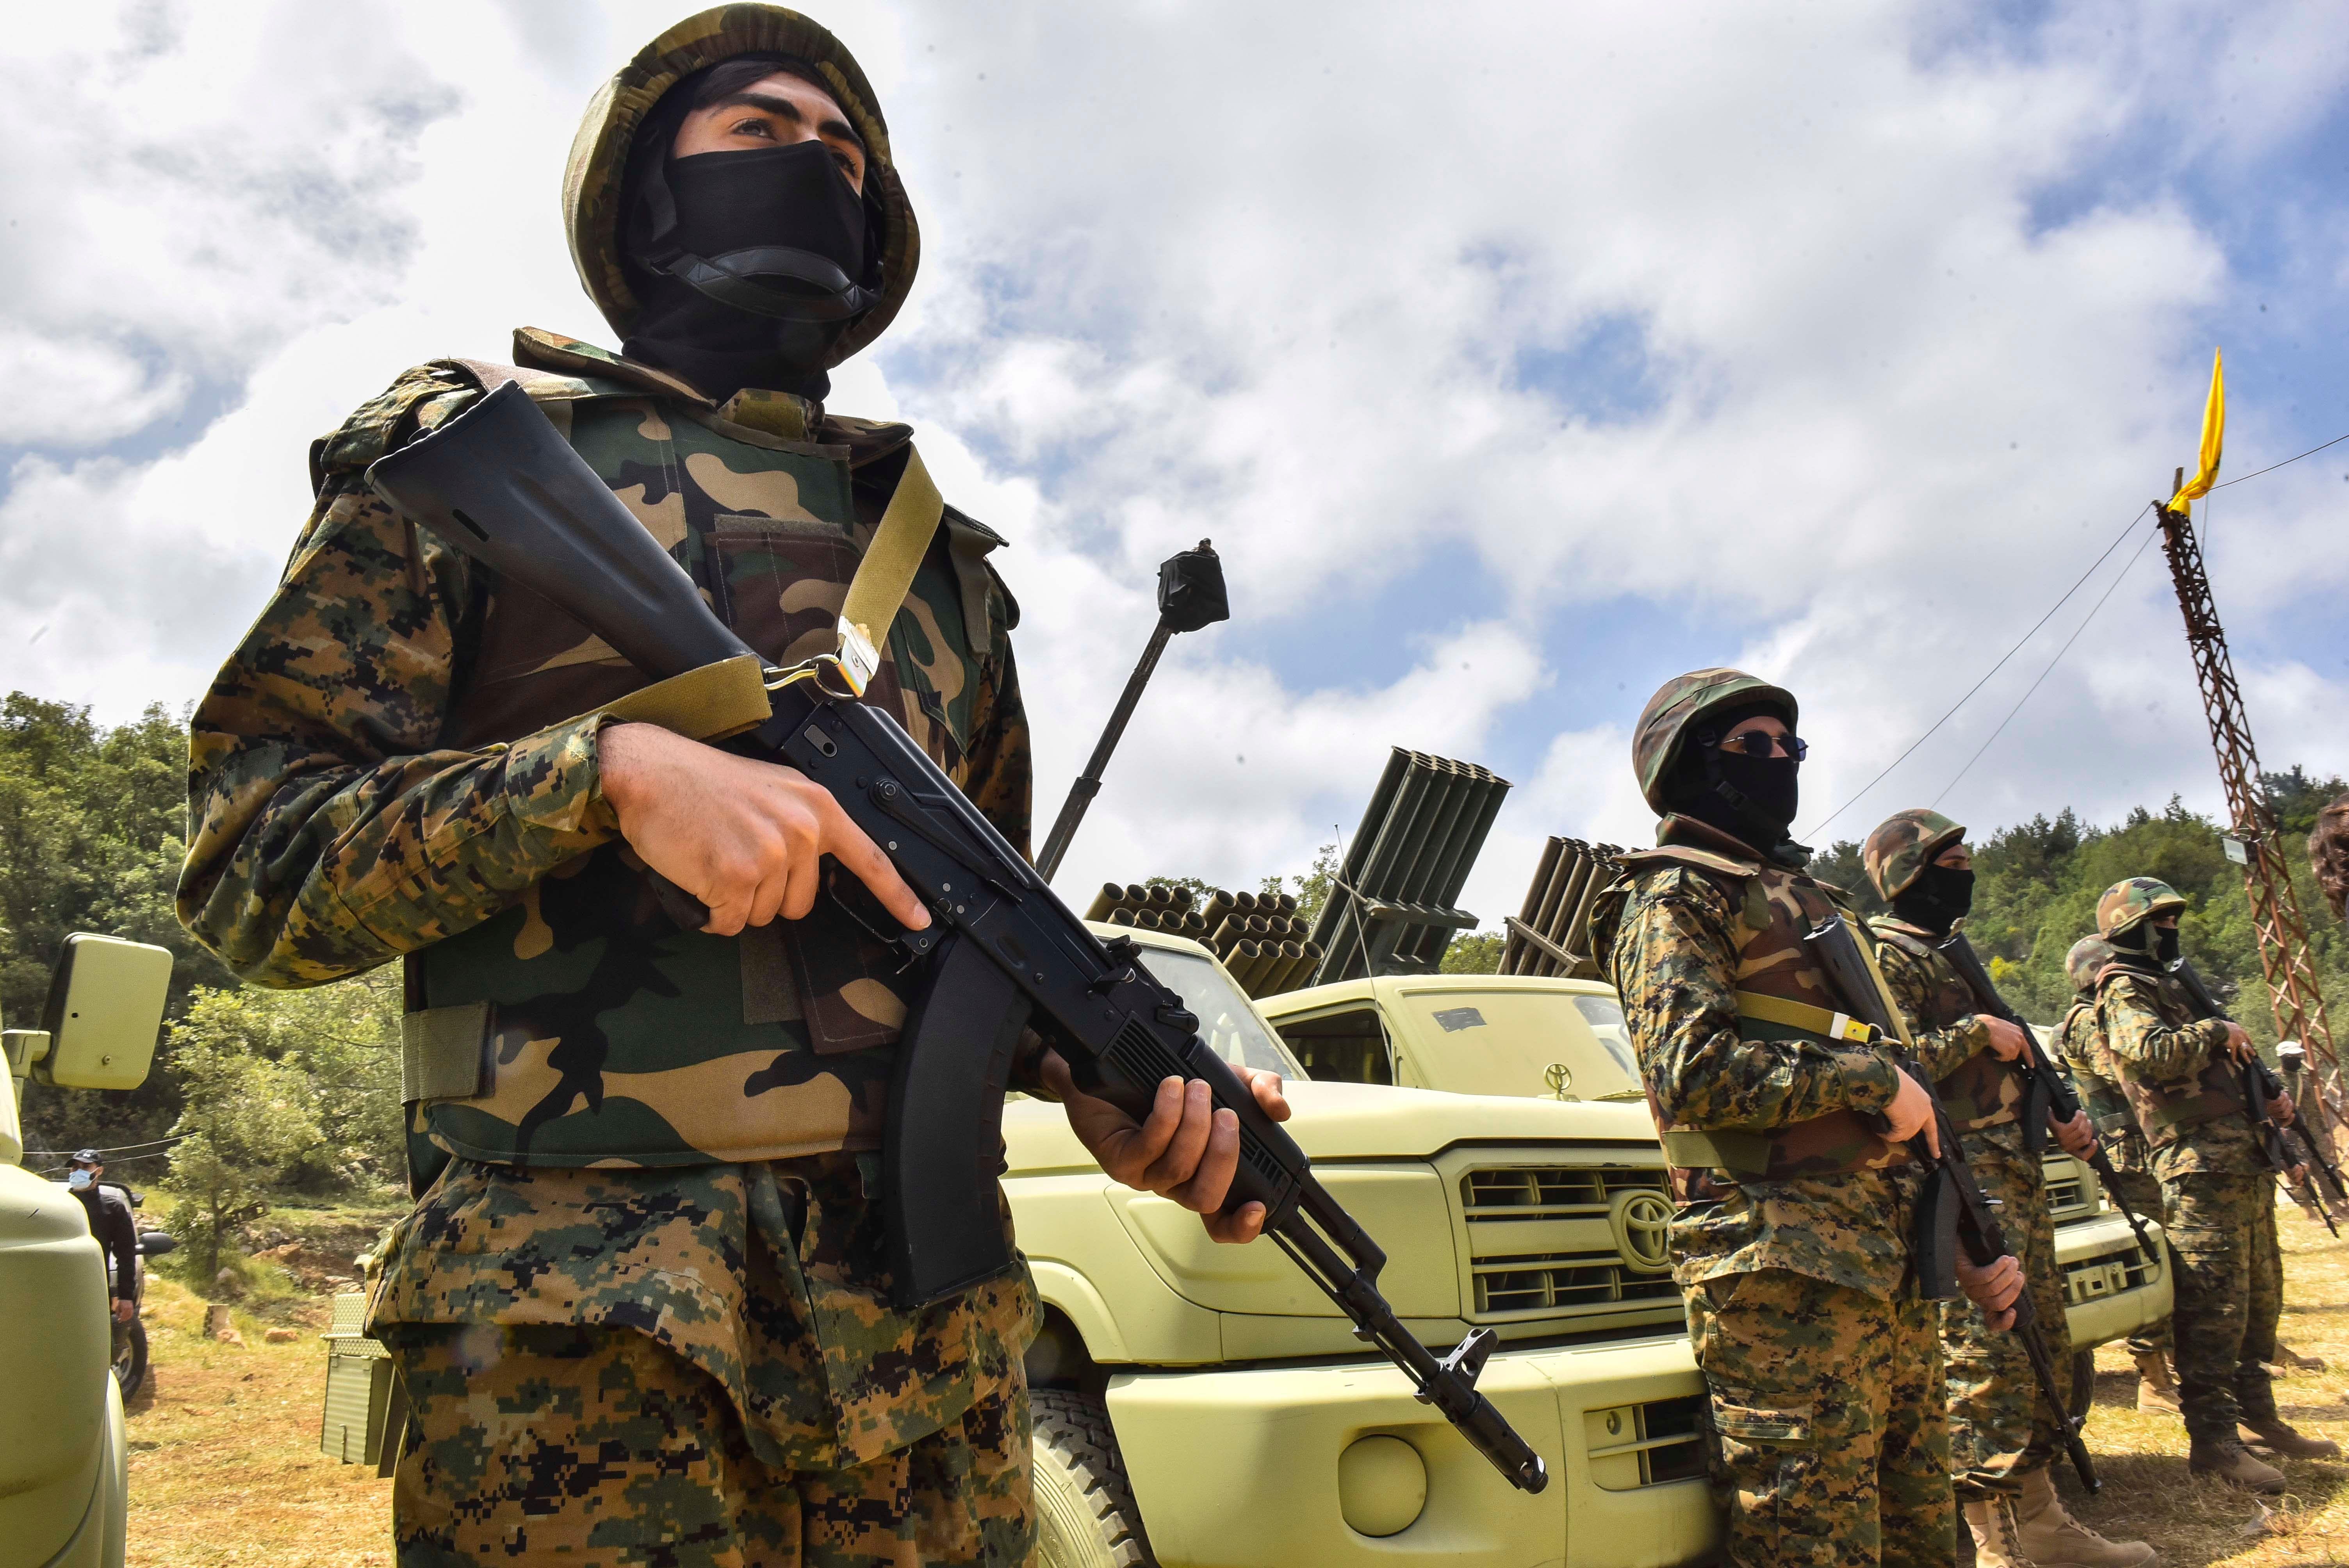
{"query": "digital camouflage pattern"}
pixel 1953 1042
pixel 1687 927
pixel 2097 1078
pixel 767 1278
pixel 1999 1427
pixel 1826 1416
pixel 2172 1066
pixel 2125 905
pixel 611 1035
pixel 599 153
pixel 594 1446
pixel 1677 707
pixel 1904 844
pixel 2230 1297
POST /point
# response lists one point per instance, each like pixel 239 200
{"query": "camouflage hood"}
pixel 2087 959
pixel 1903 845
pixel 592 200
pixel 1676 709
pixel 2128 904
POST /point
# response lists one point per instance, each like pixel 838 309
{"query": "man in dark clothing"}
pixel 111 1223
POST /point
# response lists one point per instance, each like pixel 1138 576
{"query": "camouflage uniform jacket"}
pixel 1682 933
pixel 2097 1077
pixel 397 760
pixel 2163 1052
pixel 1952 1043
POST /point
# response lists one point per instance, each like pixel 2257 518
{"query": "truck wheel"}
pixel 131 1357
pixel 1085 1516
pixel 2083 1382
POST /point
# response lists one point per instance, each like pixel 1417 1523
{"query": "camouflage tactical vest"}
pixel 1774 907
pixel 582 1027
pixel 2165 1111
pixel 1983 1092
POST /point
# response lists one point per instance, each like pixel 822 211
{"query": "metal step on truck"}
pixel 1548 1026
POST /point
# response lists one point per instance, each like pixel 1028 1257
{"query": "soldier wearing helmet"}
pixel 2098 1077
pixel 1787 1134
pixel 641 1308
pixel 2002 1438
pixel 2179 1071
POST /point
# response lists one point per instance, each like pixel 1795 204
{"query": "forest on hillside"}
pixel 298 1091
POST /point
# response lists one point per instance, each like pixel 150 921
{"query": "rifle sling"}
pixel 1754 1152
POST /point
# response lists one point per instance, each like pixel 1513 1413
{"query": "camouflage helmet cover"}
pixel 2126 904
pixel 599 154
pixel 2087 961
pixel 1903 845
pixel 1679 704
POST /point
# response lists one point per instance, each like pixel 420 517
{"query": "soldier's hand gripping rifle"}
pixel 2260 1087
pixel 1951 1210
pixel 1003 953
pixel 2061 1103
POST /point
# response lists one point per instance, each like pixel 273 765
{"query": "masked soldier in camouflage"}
pixel 2179 1071
pixel 2002 1440
pixel 640 1311
pixel 1787 1129
pixel 2097 1078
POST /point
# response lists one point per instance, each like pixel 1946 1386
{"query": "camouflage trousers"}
pixel 2222 1231
pixel 1826 1424
pixel 1999 1427
pixel 2143 1190
pixel 578 1444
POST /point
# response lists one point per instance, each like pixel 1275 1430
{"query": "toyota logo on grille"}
pixel 1642 1220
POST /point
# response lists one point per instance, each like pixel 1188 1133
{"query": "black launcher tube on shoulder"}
pixel 1003 953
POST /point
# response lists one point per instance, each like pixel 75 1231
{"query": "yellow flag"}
pixel 2214 432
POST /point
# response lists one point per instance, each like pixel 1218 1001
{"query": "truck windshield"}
pixel 1546 1043
pixel 1227 1021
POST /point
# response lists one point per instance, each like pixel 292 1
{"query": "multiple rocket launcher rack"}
pixel 1551 934
pixel 1257 936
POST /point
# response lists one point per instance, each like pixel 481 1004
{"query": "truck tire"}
pixel 1085 1515
pixel 2083 1383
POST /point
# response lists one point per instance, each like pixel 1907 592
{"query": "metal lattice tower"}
pixel 2294 995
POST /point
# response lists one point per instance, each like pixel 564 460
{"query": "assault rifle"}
pixel 1003 953
pixel 1951 1210
pixel 2056 1095
pixel 2259 1086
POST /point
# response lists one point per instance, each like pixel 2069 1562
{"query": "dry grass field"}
pixel 225 1468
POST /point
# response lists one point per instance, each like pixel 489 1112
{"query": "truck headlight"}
pixel 1382 1485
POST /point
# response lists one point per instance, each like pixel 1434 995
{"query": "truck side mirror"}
pixel 105 1006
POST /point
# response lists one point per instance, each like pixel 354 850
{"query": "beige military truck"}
pixel 63 1470
pixel 1563 1039
pixel 1198 1404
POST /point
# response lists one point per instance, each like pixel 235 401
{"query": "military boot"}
pixel 2052 1538
pixel 1997 1542
pixel 2154 1390
pixel 2278 1437
pixel 2227 1459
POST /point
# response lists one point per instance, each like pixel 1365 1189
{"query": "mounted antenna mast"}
pixel 2255 840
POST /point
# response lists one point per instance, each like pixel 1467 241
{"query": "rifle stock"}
pixel 1952 1212
pixel 2259 1086
pixel 1003 953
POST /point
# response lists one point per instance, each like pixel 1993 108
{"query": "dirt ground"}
pixel 225 1468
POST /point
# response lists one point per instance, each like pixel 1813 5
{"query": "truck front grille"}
pixel 1546 1282
pixel 1544 1193
pixel 2069 1194
pixel 1632 1446
pixel 2091 1279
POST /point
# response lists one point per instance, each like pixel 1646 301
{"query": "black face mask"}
pixel 1938 899
pixel 2165 944
pixel 1752 798
pixel 754 265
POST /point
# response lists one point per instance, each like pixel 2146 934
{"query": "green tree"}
pixel 245 1121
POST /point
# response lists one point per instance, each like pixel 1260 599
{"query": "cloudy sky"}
pixel 1515 356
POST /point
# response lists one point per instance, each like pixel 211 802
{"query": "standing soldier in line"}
pixel 1787 1132
pixel 2002 1440
pixel 2097 1076
pixel 2179 1071
pixel 642 1310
